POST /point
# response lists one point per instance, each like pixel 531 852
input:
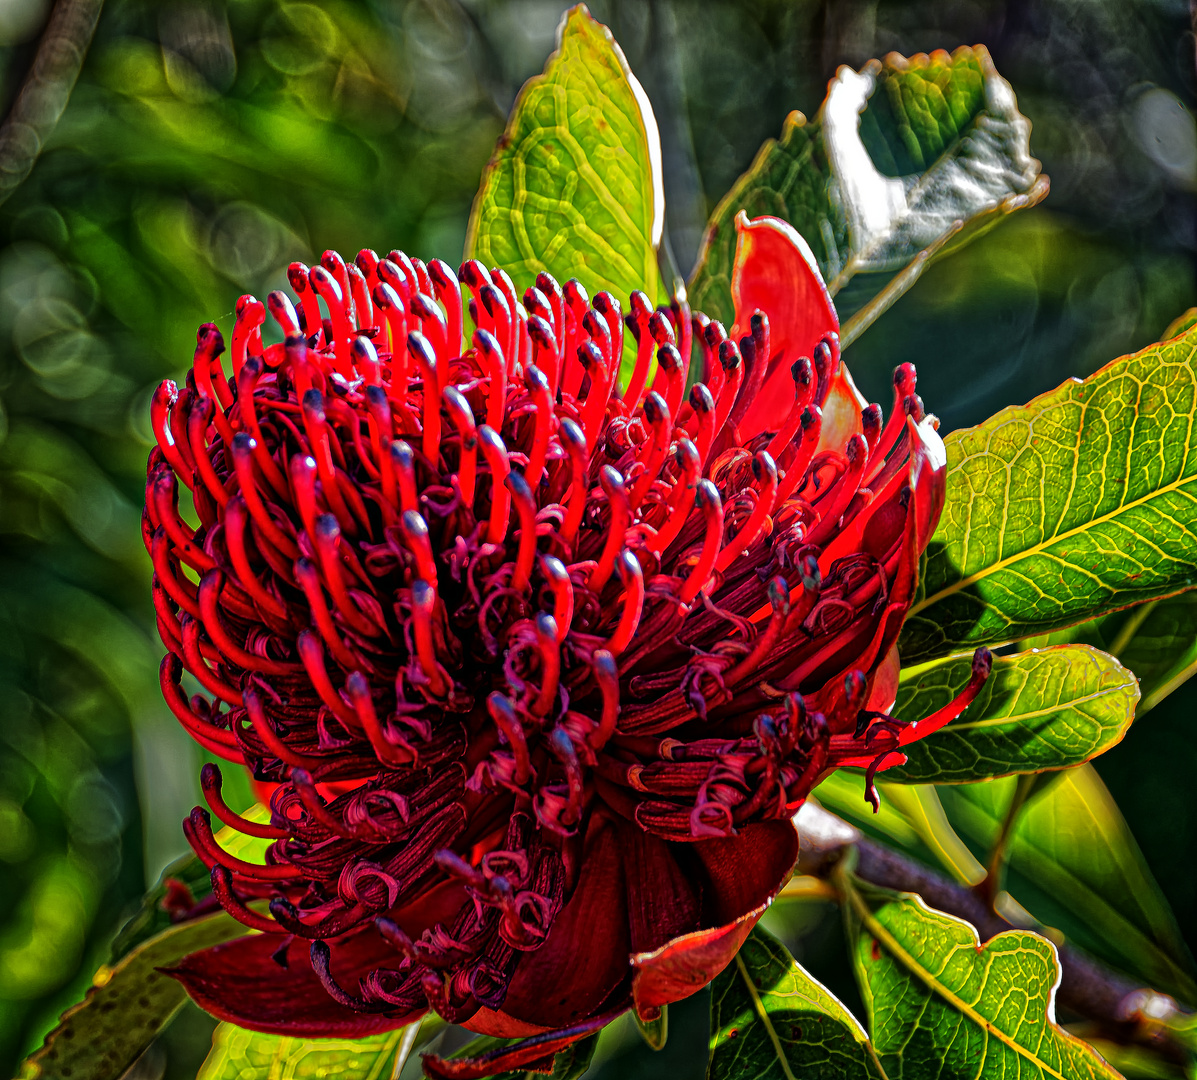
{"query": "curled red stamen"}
pixel 621 512
pixel 563 593
pixel 689 462
pixel 575 447
pixel 463 419
pixel 211 783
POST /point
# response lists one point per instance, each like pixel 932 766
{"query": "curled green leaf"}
pixel 906 161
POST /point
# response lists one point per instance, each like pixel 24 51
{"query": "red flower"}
pixel 542 669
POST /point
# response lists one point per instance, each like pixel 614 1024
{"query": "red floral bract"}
pixel 541 663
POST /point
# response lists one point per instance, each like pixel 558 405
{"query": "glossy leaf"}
pixel 1039 710
pixel 126 1008
pixel 1059 511
pixel 942 1004
pixel 1074 865
pixel 238 1054
pixel 1156 640
pixel 910 817
pixel 574 186
pixel 1186 320
pixel 770 1019
pixel 906 161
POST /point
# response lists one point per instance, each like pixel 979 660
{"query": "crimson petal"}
pixel 585 956
pixel 290 1000
pixel 531 1055
pixel 775 272
pixel 746 872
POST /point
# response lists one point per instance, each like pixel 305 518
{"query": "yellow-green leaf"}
pixel 942 1004
pixel 907 160
pixel 574 186
pixel 1039 710
pixel 1080 503
pixel 770 1020
pixel 910 816
pixel 238 1054
pixel 126 1008
pixel 1074 865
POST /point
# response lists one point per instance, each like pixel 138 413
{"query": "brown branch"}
pixel 47 87
pixel 1125 1009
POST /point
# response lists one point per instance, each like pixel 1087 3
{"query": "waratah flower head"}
pixel 541 660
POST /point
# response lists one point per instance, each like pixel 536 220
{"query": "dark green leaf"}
pixel 574 186
pixel 770 1019
pixel 942 1004
pixel 1077 504
pixel 126 1008
pixel 1039 710
pixel 249 1055
pixel 1074 864
pixel 906 161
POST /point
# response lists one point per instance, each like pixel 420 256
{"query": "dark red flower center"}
pixel 461 603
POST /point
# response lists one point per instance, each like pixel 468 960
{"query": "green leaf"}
pixel 1074 864
pixel 1156 640
pixel 238 1054
pixel 910 817
pixel 126 1008
pixel 770 1019
pixel 1059 511
pixel 1039 710
pixel 574 186
pixel 906 161
pixel 1182 323
pixel 942 1004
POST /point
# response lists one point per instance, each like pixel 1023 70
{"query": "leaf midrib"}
pixel 1034 714
pixel 779 1052
pixel 763 1014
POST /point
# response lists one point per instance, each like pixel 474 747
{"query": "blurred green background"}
pixel 207 144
